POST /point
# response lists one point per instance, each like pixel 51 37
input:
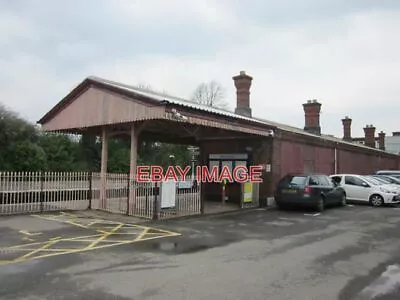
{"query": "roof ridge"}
pixel 222 111
pixel 162 94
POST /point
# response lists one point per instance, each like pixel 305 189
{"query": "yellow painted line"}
pixel 22 245
pixel 47 217
pixel 47 245
pixel 27 239
pixel 94 240
pixel 128 233
pixel 68 251
pixel 80 237
pixel 68 214
pixel 76 224
pixel 103 237
pixel 49 250
pixel 140 236
pixel 29 233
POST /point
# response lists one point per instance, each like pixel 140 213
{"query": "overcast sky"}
pixel 345 53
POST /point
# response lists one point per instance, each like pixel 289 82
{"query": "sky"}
pixel 345 54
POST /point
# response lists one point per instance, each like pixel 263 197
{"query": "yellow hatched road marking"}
pixel 140 236
pixel 104 236
pixel 97 241
pixel 29 233
pixel 47 245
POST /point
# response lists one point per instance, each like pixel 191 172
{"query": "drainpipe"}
pixel 335 161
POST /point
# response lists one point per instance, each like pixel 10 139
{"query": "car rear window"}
pixel 292 180
pixel 298 180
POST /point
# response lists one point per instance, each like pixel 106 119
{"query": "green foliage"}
pixel 23 147
pixel 60 152
pixel 26 156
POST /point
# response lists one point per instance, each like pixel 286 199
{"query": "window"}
pixel 373 181
pixel 324 180
pixel 314 180
pixel 337 179
pixel 298 180
pixel 294 180
pixel 350 180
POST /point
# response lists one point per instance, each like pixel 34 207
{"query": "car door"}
pixel 336 189
pixel 352 189
pixel 356 188
pixel 327 188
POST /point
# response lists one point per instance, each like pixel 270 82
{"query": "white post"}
pixel 133 164
pixel 133 159
pixel 103 172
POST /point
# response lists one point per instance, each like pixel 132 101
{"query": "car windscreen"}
pixel 373 181
pixel 381 179
pixel 394 179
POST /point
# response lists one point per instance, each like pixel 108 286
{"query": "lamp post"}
pixel 193 150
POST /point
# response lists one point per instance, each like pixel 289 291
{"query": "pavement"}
pixel 343 253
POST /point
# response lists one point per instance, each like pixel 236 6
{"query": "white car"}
pixel 382 182
pixel 360 188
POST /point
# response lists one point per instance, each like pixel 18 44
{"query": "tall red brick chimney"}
pixel 243 84
pixel 312 111
pixel 347 129
pixel 381 140
pixel 369 131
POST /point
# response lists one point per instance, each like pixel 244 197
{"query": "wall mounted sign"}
pixel 247 192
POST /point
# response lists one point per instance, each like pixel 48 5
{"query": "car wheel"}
pixel 376 200
pixel 320 205
pixel 343 200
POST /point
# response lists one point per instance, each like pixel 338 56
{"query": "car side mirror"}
pixel 364 184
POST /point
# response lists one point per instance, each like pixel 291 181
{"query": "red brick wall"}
pixel 352 162
pixel 297 156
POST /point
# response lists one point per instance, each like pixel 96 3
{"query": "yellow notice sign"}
pixel 248 192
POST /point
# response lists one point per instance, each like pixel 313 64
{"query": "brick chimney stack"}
pixel 369 131
pixel 243 84
pixel 347 129
pixel 312 111
pixel 381 140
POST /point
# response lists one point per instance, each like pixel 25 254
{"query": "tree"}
pixel 61 152
pixel 211 94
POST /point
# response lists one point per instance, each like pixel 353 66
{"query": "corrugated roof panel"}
pixel 190 104
pixel 175 100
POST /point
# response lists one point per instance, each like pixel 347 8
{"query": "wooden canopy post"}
pixel 133 165
pixel 103 172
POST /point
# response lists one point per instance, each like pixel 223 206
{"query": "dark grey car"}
pixel 312 190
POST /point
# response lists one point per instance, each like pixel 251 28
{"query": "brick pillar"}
pixel 243 84
pixel 347 129
pixel 369 131
pixel 312 110
pixel 381 140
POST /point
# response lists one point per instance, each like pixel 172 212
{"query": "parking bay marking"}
pixel 29 233
pixel 313 215
pixel 47 248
